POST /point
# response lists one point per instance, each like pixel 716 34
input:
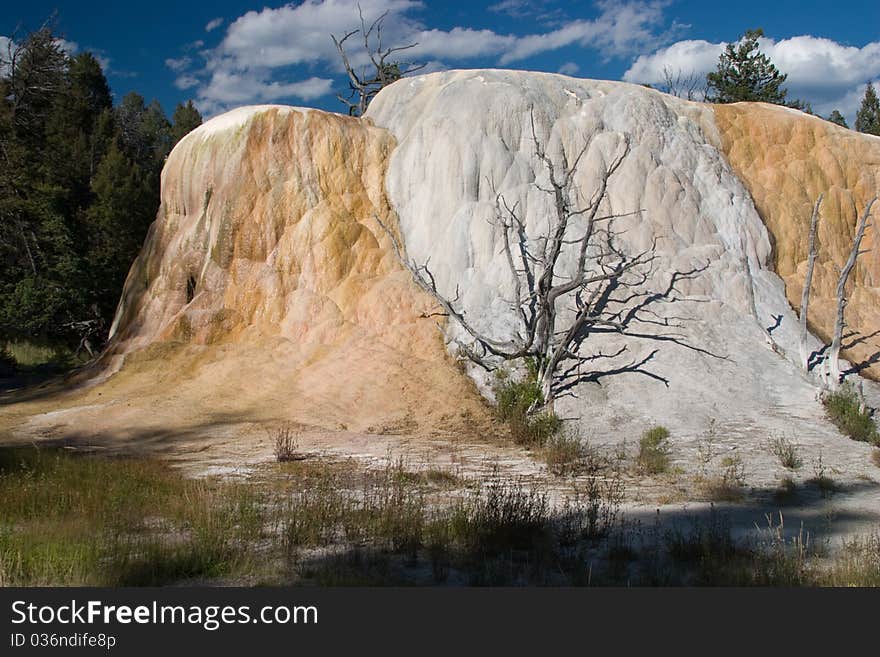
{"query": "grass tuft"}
pixel 565 453
pixel 654 450
pixel 786 451
pixel 518 403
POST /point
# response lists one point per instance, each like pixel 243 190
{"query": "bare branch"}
pixel 832 368
pixel 366 85
pixel 808 283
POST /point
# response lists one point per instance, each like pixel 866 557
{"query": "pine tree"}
pixel 186 119
pixel 79 187
pixel 74 149
pixel 837 117
pixel 744 73
pixel 868 116
pixel 117 224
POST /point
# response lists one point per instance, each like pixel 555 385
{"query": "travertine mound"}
pixel 269 279
pixel 786 159
pixel 463 136
pixel 267 290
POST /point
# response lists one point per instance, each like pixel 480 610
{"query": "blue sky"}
pixel 232 52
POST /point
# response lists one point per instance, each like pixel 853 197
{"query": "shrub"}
pixel 564 453
pixel 516 402
pixel 875 457
pixel 786 451
pixel 845 409
pixel 787 491
pixel 821 480
pixel 654 450
pixel 286 444
pixel 8 365
pixel 592 511
pixel 858 563
pixel 729 486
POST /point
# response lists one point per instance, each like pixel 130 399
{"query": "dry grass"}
pixel 786 451
pixel 565 453
pixel 728 485
pixel 654 451
pixel 285 440
pixel 83 519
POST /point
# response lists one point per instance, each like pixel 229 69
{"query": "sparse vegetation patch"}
pixel 654 450
pixel 786 451
pixel 846 409
pixel 519 404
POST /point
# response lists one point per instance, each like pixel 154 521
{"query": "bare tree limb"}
pixel 808 283
pixel 832 358
pixel 364 86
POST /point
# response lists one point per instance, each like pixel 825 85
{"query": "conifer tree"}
pixel 79 187
pixel 744 73
pixel 837 117
pixel 868 116
pixel 186 119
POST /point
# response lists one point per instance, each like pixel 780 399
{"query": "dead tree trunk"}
pixel 542 291
pixel 365 85
pixel 808 283
pixel 832 360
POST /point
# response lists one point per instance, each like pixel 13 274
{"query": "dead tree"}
pixel 364 85
pixel 832 359
pixel 689 86
pixel 808 283
pixel 556 311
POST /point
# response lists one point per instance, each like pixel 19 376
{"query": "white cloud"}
pixel 69 47
pixel 543 11
pixel 686 57
pixel 103 61
pixel 460 43
pixel 820 71
pixel 227 89
pixel 7 45
pixel 253 61
pixel 515 8
pixel 620 29
pixel 301 34
pixel 260 49
pixel 178 65
pixel 213 24
pixel 569 68
pixel 186 82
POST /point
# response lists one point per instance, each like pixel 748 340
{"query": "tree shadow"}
pixel 633 316
pixel 777 322
pixel 818 356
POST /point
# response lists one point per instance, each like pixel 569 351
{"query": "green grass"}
pixel 518 403
pixel 654 450
pixel 845 409
pixel 84 520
